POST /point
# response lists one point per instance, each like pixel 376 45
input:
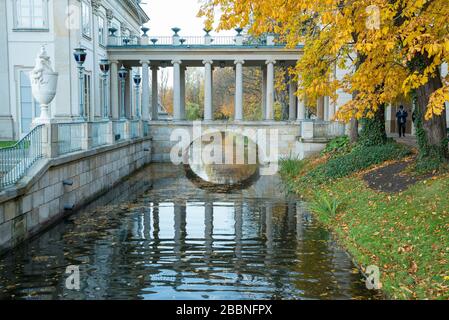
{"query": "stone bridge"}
pixel 297 139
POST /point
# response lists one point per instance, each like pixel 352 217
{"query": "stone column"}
pixel 145 105
pixel 154 94
pixel 177 89
pixel 270 90
pixel 326 108
pixel 264 92
pixel 291 100
pixel 320 108
pixel 114 89
pixel 238 116
pixel 183 92
pixel 301 109
pixel 331 109
pixel 129 94
pixel 208 112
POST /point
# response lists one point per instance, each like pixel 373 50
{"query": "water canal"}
pixel 160 235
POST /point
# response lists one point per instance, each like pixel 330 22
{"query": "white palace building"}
pixel 118 78
pixel 62 25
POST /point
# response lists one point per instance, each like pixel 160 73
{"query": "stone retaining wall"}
pixel 54 187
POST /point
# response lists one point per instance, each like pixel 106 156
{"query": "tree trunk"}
pixel 373 131
pixel 432 140
pixel 353 130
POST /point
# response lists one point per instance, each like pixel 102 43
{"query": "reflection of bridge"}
pixel 83 158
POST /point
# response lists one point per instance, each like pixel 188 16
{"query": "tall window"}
pixel 31 14
pixel 87 94
pixel 85 18
pixel 29 108
pixel 101 30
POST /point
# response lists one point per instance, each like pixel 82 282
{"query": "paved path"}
pixel 408 140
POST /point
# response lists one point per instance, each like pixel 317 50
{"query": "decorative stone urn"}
pixel 43 85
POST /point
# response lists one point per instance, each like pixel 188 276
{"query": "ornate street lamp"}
pixel 80 57
pixel 122 73
pixel 137 80
pixel 104 67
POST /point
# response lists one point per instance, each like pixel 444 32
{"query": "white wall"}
pixel 18 50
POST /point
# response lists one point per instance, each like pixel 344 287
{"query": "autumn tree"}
pixel 391 48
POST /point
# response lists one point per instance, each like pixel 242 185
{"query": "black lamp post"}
pixel 80 57
pixel 137 80
pixel 104 67
pixel 122 73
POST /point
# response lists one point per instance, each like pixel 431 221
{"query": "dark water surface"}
pixel 160 236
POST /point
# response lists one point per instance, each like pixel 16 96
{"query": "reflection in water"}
pixel 157 236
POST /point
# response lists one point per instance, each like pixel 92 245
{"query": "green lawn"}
pixel 4 144
pixel 405 234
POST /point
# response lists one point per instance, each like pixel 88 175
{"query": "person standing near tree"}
pixel 401 117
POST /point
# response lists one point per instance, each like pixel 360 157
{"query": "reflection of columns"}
pixel 114 90
pixel 264 92
pixel 269 232
pixel 208 113
pixel 238 89
pixel 208 227
pixel 179 226
pixel 320 108
pixel 291 100
pixel 270 90
pixel 156 229
pixel 154 94
pixel 183 92
pixel 301 108
pixel 177 115
pixel 238 229
pixel 299 220
pixel 145 91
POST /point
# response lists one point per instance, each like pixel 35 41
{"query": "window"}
pixel 31 14
pixel 101 30
pixel 29 108
pixel 85 18
pixel 87 95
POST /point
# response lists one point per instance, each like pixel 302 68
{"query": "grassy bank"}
pixel 405 234
pixel 4 144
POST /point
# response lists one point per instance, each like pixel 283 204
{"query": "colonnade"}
pixel 296 106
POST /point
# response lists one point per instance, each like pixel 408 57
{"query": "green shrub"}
pixel 325 206
pixel 291 166
pixel 358 159
pixel 337 146
pixel 193 111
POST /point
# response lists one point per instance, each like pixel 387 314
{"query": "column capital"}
pixel 114 62
pixel 239 61
pixel 176 61
pixel 142 62
pixel 208 61
pixel 96 4
pixel 270 61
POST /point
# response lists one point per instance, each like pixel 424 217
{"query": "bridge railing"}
pixel 17 159
pixel 58 139
pixel 119 129
pixel 134 126
pixel 243 40
pixel 70 136
pixel 314 129
pixel 100 132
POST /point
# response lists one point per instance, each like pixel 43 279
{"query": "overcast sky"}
pixel 166 14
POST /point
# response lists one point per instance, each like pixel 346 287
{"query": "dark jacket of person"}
pixel 402 115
